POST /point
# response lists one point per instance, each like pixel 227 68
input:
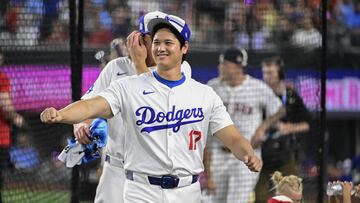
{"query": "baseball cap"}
pixel 144 20
pixel 237 56
pixel 173 21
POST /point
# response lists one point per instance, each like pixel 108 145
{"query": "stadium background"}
pixel 49 49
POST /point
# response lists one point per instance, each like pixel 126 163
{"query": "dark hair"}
pixel 172 30
pixel 279 62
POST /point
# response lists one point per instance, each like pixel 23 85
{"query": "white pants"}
pixel 146 193
pixel 111 185
pixel 234 182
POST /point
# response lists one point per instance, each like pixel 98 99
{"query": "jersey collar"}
pixel 169 83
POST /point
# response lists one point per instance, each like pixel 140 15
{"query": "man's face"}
pixel 148 42
pixel 166 49
pixel 229 71
pixel 270 74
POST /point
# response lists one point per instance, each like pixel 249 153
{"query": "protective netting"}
pixel 31 33
pixel 34 37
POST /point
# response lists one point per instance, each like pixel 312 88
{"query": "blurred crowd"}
pixel 257 25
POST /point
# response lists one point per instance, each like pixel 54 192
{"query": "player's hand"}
pixel 82 133
pixel 253 163
pixel 258 138
pixel 50 115
pixel 210 186
pixel 136 47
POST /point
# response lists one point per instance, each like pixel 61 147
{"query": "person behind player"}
pixel 245 98
pixel 117 49
pixel 279 149
pixel 111 182
pixel 8 116
pixel 167 118
pixel 288 189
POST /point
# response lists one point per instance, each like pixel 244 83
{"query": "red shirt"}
pixel 280 199
pixel 4 125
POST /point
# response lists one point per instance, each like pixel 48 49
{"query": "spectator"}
pixel 58 35
pixel 287 188
pixel 23 156
pixel 121 24
pixel 307 36
pixel 51 13
pixel 347 192
pixel 8 116
pixel 279 149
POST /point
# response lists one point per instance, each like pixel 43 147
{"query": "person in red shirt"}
pixel 287 188
pixel 8 116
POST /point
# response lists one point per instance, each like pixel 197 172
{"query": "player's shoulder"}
pixel 214 82
pixel 119 63
pixel 200 87
pixel 137 78
pixel 122 60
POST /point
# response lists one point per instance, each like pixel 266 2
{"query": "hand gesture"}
pixel 347 187
pixel 82 133
pixel 253 163
pixel 136 47
pixel 50 115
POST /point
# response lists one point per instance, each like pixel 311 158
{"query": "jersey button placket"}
pixel 169 137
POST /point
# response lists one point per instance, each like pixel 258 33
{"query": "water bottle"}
pixel 335 189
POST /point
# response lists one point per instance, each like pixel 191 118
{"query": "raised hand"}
pixel 136 47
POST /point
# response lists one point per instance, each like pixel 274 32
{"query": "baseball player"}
pixel 112 180
pixel 245 98
pixel 167 118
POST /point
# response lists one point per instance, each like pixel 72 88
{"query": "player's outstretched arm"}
pixel 78 111
pixel 240 147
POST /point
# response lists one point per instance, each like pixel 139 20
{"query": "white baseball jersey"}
pixel 115 69
pixel 245 103
pixel 166 128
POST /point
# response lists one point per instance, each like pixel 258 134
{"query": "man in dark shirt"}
pixel 279 147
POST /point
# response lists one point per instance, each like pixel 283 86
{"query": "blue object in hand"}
pixel 98 132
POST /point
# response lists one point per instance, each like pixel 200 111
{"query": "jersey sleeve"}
pixel 114 95
pixel 270 101
pixel 219 117
pixel 101 83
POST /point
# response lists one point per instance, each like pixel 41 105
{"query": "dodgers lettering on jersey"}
pixel 166 131
pixel 178 118
pixel 117 69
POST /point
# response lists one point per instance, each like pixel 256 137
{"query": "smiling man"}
pixel 167 120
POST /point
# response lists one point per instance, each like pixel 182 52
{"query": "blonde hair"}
pixel 286 185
